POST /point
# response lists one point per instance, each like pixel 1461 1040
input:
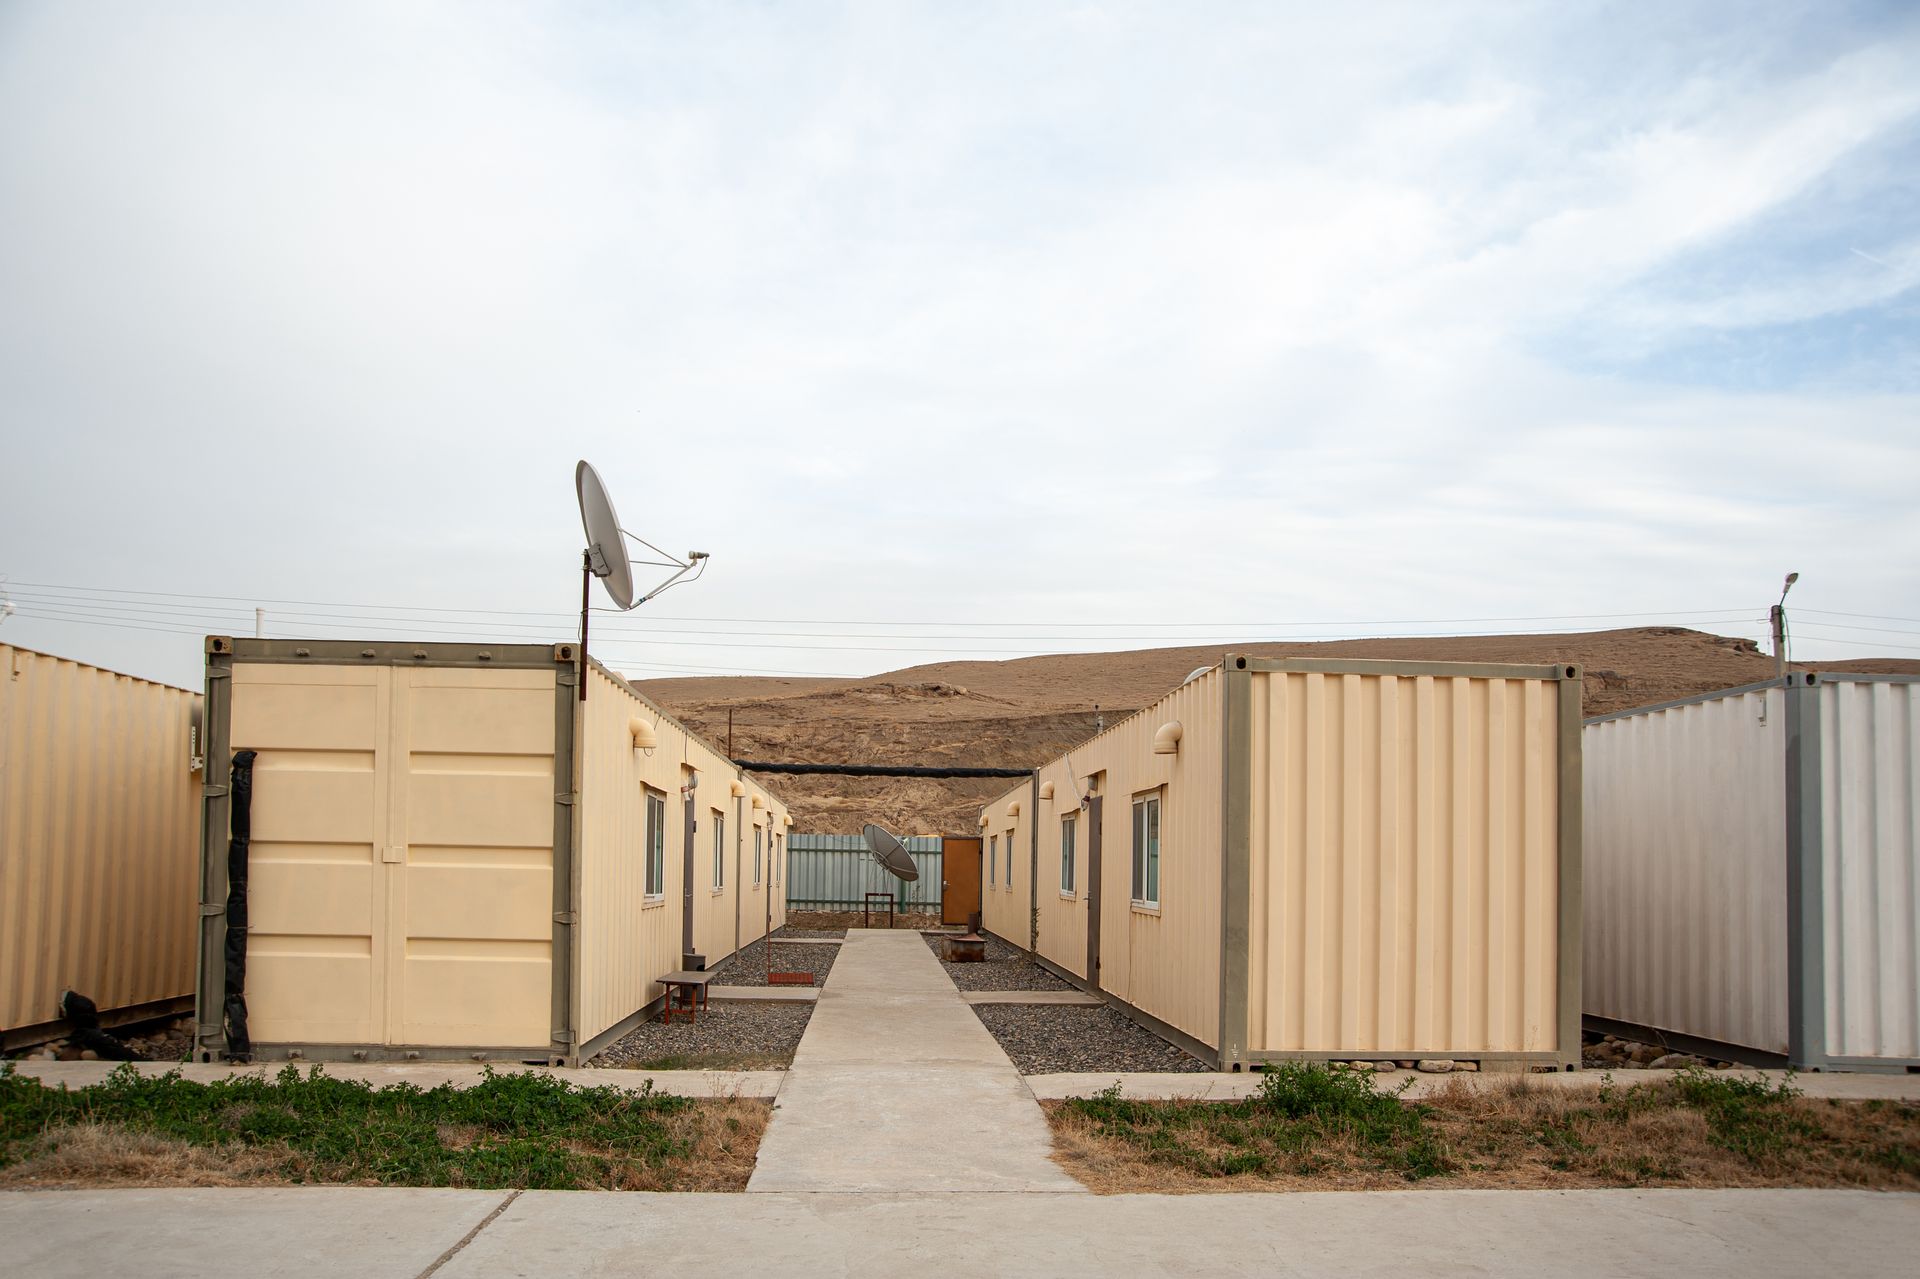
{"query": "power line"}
pixel 249 602
pixel 454 626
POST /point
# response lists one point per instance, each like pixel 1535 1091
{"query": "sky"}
pixel 957 331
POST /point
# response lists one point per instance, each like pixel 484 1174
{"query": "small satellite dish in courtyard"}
pixel 891 853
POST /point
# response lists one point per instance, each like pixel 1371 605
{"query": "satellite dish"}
pixel 1195 674
pixel 890 853
pixel 607 557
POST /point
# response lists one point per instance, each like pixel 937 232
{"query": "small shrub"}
pixel 1748 1116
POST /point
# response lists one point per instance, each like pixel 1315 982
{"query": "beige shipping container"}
pixel 452 855
pixel 1318 859
pixel 99 832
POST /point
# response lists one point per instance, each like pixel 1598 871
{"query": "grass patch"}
pixel 509 1131
pixel 1313 1127
pixel 1304 1120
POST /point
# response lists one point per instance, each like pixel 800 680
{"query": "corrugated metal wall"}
pixel 1870 813
pixel 1404 873
pixel 1686 869
pixel 99 837
pixel 832 872
pixel 1164 959
pixel 1004 895
pixel 626 940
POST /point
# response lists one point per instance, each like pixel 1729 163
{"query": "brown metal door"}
pixel 1094 859
pixel 960 879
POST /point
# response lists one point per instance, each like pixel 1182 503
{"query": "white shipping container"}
pixel 1752 875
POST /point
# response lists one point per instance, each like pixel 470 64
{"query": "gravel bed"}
pixel 1044 1039
pixel 1006 968
pixel 749 967
pixel 786 930
pixel 727 1036
pixel 165 1041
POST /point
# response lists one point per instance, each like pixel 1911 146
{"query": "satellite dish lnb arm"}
pixel 695 564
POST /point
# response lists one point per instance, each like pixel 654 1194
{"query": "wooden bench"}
pixel 692 986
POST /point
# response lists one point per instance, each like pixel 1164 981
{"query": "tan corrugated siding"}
pixel 1063 920
pixel 99 837
pixel 1404 868
pixel 1870 812
pixel 1686 869
pixel 1165 960
pixel 625 942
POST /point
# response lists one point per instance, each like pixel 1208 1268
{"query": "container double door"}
pixel 401 869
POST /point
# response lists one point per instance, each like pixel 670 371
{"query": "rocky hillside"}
pixel 1020 713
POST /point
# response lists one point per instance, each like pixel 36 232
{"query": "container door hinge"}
pixel 569 917
pixel 563 1036
pixel 565 797
pixel 209 909
pixel 213 790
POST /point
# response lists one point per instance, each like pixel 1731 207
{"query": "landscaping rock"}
pixel 1435 1066
pixel 1005 968
pixel 749 967
pixel 725 1036
pixel 1047 1038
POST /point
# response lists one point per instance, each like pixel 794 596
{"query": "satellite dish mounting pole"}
pixel 586 584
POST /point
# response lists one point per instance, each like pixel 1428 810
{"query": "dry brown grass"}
pixel 1514 1134
pixel 89 1156
pixel 722 1136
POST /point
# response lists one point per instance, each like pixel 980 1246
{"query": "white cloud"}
pixel 976 314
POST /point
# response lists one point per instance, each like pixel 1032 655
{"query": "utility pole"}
pixel 1779 618
pixel 259 623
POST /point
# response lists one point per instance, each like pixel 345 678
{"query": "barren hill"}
pixel 1021 713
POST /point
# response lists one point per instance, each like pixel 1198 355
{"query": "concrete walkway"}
pixel 467 1234
pixel 897 1086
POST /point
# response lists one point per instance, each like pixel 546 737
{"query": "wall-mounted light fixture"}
pixel 1166 740
pixel 644 738
pixel 736 788
pixel 1046 790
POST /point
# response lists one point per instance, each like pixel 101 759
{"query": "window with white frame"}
pixel 655 850
pixel 1007 881
pixel 719 850
pixel 993 860
pixel 1067 825
pixel 1146 850
pixel 757 835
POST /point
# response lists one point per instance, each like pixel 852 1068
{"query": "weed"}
pixel 1748 1116
pixel 509 1130
pixel 1301 1110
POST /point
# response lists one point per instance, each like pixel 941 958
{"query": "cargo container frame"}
pixel 567 1014
pixel 217 808
pixel 1804 854
pixel 1236 852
